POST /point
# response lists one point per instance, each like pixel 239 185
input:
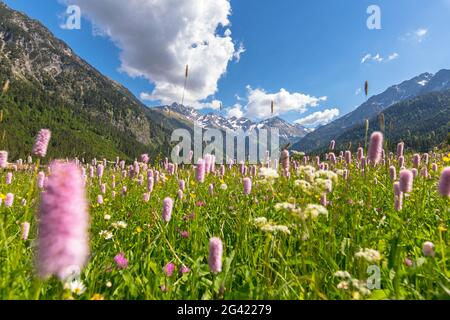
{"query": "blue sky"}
pixel 310 48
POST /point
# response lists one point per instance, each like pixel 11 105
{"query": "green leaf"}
pixel 379 295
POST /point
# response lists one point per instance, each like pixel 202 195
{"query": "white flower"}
pixel 109 284
pixel 314 210
pixel 223 186
pixel 282 229
pixel 267 228
pixel 369 255
pixel 275 228
pixel 106 234
pixel 260 221
pixel 356 283
pixel 303 184
pixel 328 175
pixel 107 217
pixel 306 172
pixel 323 184
pixel 284 205
pixel 75 286
pixel 119 224
pixel 361 286
pixel 343 285
pixel 268 173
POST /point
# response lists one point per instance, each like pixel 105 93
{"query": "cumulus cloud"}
pixel 319 118
pixel 158 38
pixel 235 111
pixel 259 102
pixel 214 104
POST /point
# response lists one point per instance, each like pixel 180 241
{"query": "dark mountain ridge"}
pixel 50 86
pixel 422 123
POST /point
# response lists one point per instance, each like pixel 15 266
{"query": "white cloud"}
pixel 238 97
pixel 157 38
pixel 421 33
pixel 215 104
pixel 319 118
pixel 235 111
pixel 240 50
pixel 366 58
pixel 378 58
pixel 259 102
pixel 393 56
pixel 415 36
pixel 369 57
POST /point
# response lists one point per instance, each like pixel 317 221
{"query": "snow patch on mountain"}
pixel 287 131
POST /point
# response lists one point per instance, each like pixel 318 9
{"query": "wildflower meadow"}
pixel 365 224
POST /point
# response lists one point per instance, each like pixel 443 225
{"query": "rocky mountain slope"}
pixel 288 132
pixel 48 85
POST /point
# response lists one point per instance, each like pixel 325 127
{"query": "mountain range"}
pixel 44 84
pixel 288 132
pixel 418 86
pixel 422 123
pixel 48 85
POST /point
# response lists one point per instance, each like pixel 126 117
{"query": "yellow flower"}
pixel 138 230
pixel 442 229
pixel 193 195
pixel 97 296
pixel 447 159
pixel 356 295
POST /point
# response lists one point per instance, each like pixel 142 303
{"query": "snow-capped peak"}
pixel 287 131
